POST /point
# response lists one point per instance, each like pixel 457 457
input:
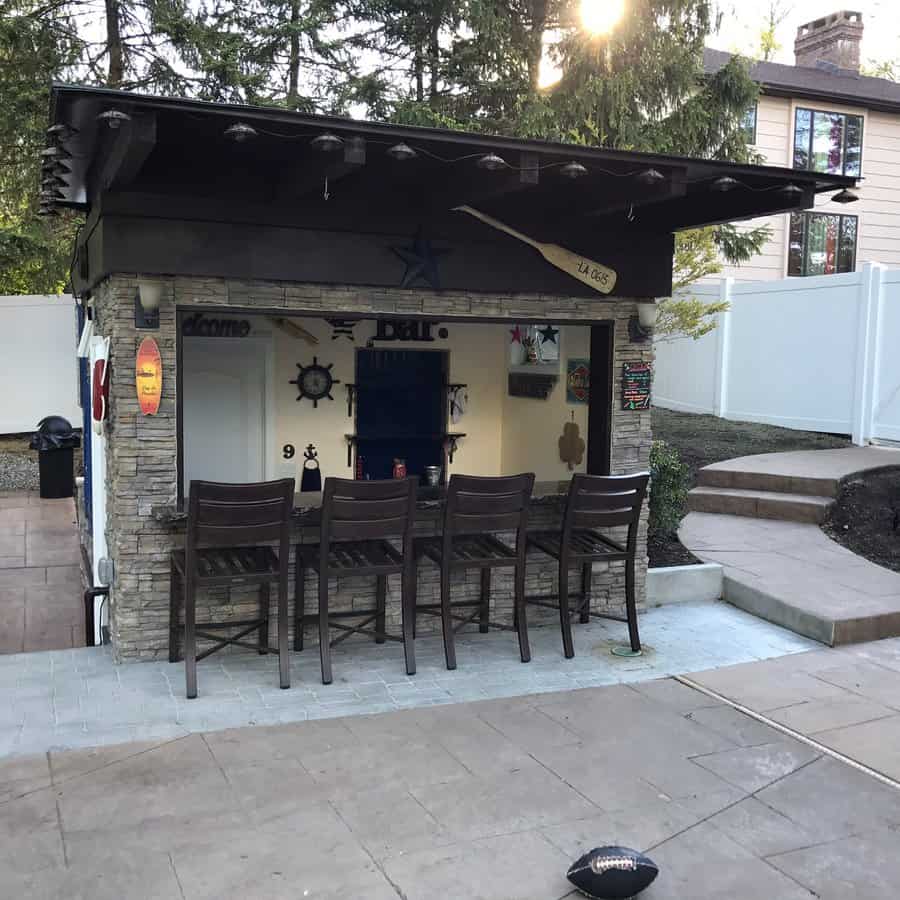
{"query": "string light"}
pixel 61 131
pixel 326 143
pixel 114 118
pixel 724 183
pixel 491 162
pixel 239 132
pixel 401 151
pixel 573 170
pixel 649 177
pixel 845 196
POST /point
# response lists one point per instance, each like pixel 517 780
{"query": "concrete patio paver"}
pixel 40 576
pixel 260 811
pixel 80 698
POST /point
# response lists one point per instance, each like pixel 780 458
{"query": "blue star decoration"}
pixel 421 262
pixel 548 334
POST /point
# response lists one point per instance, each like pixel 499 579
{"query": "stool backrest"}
pixel 239 515
pixel 605 501
pixel 481 505
pixel 368 510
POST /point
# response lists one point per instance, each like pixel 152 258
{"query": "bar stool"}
pixel 476 509
pixel 594 501
pixel 232 520
pixel 357 519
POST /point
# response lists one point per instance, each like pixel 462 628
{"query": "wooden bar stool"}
pixel 357 519
pixel 594 501
pixel 231 520
pixel 476 509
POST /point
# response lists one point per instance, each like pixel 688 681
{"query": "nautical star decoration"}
pixel 314 382
pixel 612 873
pixel 593 274
pixel 421 262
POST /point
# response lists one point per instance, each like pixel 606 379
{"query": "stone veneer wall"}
pixel 141 464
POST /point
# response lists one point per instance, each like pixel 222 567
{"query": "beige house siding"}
pixel 878 209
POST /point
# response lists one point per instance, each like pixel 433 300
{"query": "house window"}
pixel 827 142
pixel 748 124
pixel 821 244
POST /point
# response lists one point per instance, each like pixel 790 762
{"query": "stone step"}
pixel 759 504
pixel 720 476
pixel 812 615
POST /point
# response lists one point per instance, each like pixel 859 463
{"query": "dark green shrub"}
pixel 668 489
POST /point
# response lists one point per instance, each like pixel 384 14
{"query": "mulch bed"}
pixel 702 440
pixel 865 517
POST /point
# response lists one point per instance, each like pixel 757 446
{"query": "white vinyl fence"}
pixel 820 354
pixel 38 369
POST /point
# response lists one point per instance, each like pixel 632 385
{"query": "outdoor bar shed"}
pixel 334 297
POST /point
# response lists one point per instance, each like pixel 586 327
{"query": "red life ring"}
pixel 99 395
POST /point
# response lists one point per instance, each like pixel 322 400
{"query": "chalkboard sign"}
pixel 636 386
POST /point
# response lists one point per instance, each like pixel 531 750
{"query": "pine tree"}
pixel 36 45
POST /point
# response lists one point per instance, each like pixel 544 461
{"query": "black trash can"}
pixel 55 441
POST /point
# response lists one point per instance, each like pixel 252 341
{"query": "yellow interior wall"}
pixel 532 428
pixel 505 435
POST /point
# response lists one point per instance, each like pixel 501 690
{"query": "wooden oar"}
pixel 593 274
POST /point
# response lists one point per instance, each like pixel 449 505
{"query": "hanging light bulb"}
pixel 114 118
pixel 326 142
pixel 55 153
pixel 845 196
pixel 239 132
pixel 649 177
pixel 724 183
pixel 401 151
pixel 61 131
pixel 573 170
pixel 491 162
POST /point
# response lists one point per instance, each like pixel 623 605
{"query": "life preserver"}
pixel 100 390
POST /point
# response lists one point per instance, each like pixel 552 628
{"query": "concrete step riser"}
pixel 761 481
pixel 788 510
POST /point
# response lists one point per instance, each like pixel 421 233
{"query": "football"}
pixel 612 873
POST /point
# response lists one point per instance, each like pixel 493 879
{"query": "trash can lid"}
pixel 54 425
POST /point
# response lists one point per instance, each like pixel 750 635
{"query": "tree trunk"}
pixel 434 58
pixel 535 47
pixel 419 72
pixel 116 71
pixel 294 59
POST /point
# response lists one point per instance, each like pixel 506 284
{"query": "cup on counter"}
pixel 432 476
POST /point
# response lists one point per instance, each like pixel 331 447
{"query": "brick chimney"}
pixel 833 39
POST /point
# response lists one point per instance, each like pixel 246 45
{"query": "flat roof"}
pixel 177 146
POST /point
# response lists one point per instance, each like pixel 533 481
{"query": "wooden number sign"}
pixel 148 377
pixel 636 386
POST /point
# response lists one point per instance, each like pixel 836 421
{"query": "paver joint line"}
pixel 796 735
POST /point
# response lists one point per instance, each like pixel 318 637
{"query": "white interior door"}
pixel 224 409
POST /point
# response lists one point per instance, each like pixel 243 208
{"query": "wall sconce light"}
pixel 640 327
pixel 146 304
